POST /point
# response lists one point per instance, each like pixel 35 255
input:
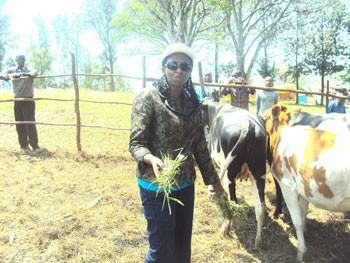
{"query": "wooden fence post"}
pixel 201 78
pixel 76 105
pixel 143 72
pixel 327 96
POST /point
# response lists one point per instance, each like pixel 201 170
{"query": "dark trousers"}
pixel 27 134
pixel 169 236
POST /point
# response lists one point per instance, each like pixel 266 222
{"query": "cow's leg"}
pixel 279 198
pixel 294 208
pixel 225 228
pixel 258 187
pixel 303 204
pixel 211 191
pixel 232 191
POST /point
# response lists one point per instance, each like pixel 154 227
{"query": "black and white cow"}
pixel 321 121
pixel 237 143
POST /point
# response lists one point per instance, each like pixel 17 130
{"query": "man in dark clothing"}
pixel 22 83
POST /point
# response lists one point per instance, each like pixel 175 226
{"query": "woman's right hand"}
pixel 155 162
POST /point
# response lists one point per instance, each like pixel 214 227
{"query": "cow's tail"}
pixel 242 141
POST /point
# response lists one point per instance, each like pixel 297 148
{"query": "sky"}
pixel 22 13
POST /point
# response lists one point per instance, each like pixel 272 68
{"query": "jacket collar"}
pixel 164 93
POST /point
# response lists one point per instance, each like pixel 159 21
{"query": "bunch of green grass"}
pixel 228 209
pixel 166 178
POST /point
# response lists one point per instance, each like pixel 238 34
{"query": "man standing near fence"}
pixel 22 83
pixel 265 99
pixel 239 96
pixel 211 92
pixel 337 106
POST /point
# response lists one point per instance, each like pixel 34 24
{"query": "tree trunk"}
pixel 112 72
pixel 216 63
pixel 322 84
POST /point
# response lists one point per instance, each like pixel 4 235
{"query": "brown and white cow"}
pixel 310 165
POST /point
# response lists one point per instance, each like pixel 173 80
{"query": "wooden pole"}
pixel 201 78
pixel 327 96
pixel 76 105
pixel 143 72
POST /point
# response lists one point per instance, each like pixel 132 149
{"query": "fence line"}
pixel 63 124
pixel 144 79
pixel 67 100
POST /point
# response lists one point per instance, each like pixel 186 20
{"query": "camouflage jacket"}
pixel 159 126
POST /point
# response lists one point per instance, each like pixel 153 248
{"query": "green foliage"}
pixel 346 74
pixel 99 14
pixel 40 59
pixel 228 209
pixel 68 31
pixel 252 25
pixel 5 39
pixel 226 69
pixel 166 178
pixel 266 68
pixel 163 22
pixel 326 38
pixel 39 55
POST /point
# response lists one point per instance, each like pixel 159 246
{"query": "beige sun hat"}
pixel 177 48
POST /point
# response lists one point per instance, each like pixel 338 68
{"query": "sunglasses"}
pixel 185 67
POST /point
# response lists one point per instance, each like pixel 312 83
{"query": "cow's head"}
pixel 209 111
pixel 275 118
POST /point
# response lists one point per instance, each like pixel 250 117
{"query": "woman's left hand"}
pixel 155 162
pixel 218 188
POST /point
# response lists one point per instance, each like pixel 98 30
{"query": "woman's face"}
pixel 177 69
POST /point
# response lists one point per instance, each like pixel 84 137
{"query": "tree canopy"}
pixel 251 36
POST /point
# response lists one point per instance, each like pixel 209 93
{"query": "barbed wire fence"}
pixel 144 80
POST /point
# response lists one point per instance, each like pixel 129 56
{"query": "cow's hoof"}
pixel 277 214
pixel 346 215
pixel 258 242
pixel 225 228
pixel 301 253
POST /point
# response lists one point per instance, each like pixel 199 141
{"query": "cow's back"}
pixel 315 161
pixel 240 134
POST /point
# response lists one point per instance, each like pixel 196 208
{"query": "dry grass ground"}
pixel 59 206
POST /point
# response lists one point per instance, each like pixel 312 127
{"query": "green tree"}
pixel 5 35
pixel 99 14
pixel 327 39
pixel 40 57
pixel 68 30
pixel 250 24
pixel 265 67
pixel 165 21
pixel 293 44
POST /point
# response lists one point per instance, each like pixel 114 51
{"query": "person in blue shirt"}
pixel 336 106
pixel 210 91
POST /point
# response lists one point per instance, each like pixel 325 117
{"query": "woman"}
pixel 166 120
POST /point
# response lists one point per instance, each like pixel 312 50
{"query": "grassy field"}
pixel 60 206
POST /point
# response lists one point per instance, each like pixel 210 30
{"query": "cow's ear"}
pixel 284 108
pixel 275 111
